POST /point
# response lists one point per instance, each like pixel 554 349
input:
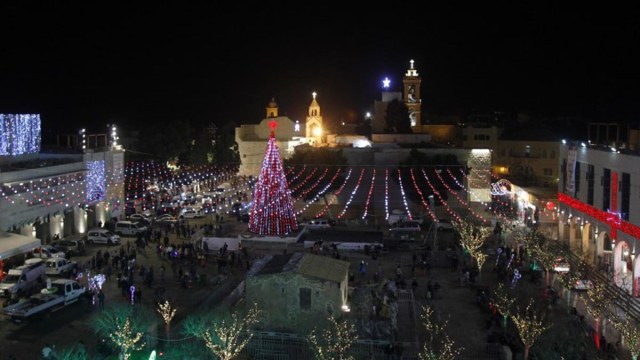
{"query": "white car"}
pixel 191 213
pixel 561 266
pixel 102 236
pixel 48 251
pixel 139 217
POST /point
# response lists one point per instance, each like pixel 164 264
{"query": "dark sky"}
pixel 86 65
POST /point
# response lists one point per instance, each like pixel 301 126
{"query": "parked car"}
pixel 444 224
pixel 406 226
pixel 102 236
pixel 48 251
pixel 70 247
pixel 561 266
pixel 583 285
pixel 317 224
pixel 129 228
pixel 139 217
pixel 166 219
pixel 24 279
pixel 191 213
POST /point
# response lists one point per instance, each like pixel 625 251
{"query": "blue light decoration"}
pixel 96 181
pixel 516 278
pixel 19 134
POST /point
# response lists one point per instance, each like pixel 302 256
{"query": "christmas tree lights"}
pixel 167 312
pixel 126 338
pixel 472 239
pixel 597 302
pixel 630 333
pixel 438 345
pixel 272 211
pixel 503 301
pixel 334 342
pixel 530 326
pixel 226 338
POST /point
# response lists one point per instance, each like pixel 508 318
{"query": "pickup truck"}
pixel 61 293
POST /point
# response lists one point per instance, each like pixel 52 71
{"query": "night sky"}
pixel 85 65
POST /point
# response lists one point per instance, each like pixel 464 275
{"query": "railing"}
pixel 620 296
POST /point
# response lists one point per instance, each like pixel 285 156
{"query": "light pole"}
pixel 435 230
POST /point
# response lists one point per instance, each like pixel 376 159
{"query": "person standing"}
pixel 101 297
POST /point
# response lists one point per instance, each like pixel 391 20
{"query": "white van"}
pixel 24 279
pixel 102 236
pixel 318 224
pixel 129 228
pixel 406 226
pixel 59 266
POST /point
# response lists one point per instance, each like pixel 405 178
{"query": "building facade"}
pixel 252 140
pixel 45 196
pixel 599 216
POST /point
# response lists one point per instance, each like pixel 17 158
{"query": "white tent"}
pixel 13 244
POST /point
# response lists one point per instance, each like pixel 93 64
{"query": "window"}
pixel 606 189
pixel 305 298
pixel 625 195
pixel 590 176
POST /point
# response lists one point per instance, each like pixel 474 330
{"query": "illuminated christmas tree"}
pixel 272 212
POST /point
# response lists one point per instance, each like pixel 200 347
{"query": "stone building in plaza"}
pixel 300 290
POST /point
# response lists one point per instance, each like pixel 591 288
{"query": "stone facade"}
pixel 300 290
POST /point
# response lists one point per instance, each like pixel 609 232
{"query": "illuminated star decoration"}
pixel 273 125
pixel 386 82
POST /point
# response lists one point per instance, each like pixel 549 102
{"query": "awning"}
pixel 13 244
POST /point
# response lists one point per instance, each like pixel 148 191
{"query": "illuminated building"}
pixel 47 194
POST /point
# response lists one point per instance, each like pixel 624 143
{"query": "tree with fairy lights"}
pixel 225 335
pixel 438 345
pixel 597 303
pixel 126 338
pixel 503 301
pixel 530 326
pixel 629 331
pixel 272 211
pixel 167 312
pixel 472 239
pixel 334 342
pixel 124 326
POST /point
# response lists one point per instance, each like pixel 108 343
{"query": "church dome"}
pixel 272 103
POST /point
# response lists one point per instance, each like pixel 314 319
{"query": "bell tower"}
pixel 314 125
pixel 272 109
pixel 411 81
